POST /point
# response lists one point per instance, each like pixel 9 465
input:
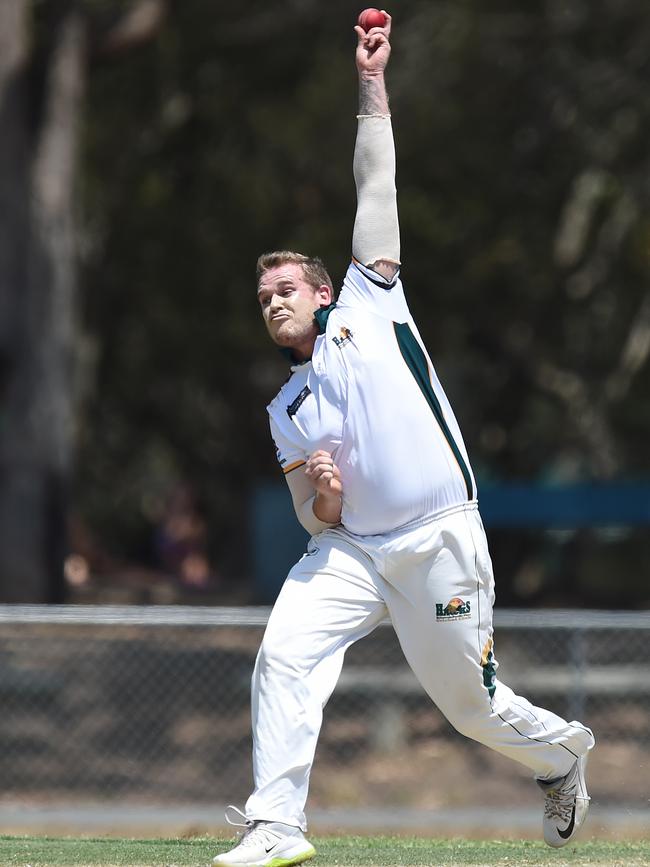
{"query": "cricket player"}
pixel 379 475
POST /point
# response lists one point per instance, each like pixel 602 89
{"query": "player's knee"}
pixel 469 728
pixel 471 718
pixel 279 654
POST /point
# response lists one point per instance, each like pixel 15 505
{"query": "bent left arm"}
pixel 316 493
pixel 325 476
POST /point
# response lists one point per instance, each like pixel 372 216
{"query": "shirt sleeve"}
pixel 291 459
pixel 364 288
pixel 290 456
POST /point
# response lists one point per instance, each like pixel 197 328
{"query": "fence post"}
pixel 578 663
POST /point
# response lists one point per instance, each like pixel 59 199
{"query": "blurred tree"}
pixel 44 50
pixel 40 93
pixel 523 179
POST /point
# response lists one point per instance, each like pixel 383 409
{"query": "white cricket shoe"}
pixel 266 844
pixel 566 804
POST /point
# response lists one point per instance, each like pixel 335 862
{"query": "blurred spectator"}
pixel 181 541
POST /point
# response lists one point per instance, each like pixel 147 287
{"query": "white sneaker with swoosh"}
pixel 266 844
pixel 566 804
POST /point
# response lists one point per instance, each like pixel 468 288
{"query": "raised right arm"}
pixel 375 238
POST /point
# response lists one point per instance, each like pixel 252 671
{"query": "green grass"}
pixel 332 852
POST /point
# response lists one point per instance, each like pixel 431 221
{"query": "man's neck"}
pixel 300 352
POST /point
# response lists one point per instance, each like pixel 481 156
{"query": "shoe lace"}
pixel 253 833
pixel 232 809
pixel 559 805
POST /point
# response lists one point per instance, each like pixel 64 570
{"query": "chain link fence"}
pixel 136 705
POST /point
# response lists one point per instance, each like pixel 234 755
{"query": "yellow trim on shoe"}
pixel 289 862
pixel 274 862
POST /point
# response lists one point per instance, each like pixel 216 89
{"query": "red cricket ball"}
pixel 371 18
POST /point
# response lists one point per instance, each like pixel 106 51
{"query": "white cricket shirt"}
pixel 370 396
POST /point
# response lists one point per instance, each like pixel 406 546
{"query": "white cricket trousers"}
pixel 436 584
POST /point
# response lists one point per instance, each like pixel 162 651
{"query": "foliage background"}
pixel 524 193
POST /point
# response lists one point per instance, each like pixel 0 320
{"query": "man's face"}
pixel 288 303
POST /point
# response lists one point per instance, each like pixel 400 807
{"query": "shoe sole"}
pixel 289 862
pixel 278 861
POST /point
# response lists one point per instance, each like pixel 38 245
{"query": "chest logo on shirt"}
pixel 345 336
pixel 293 407
pixel 455 609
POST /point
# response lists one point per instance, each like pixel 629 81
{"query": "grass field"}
pixel 345 851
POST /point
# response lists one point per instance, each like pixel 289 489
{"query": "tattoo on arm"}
pixel 373 98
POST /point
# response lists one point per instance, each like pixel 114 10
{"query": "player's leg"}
pixel 441 599
pixel 330 599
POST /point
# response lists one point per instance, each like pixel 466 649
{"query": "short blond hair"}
pixel 313 268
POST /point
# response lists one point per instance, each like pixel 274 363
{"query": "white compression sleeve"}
pixel 303 496
pixel 376 226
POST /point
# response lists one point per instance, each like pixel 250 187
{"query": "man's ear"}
pixel 325 294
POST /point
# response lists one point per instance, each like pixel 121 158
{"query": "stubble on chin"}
pixel 279 335
pixel 290 335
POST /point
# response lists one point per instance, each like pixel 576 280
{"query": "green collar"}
pixel 321 316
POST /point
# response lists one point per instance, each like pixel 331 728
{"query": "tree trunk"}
pixel 38 144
